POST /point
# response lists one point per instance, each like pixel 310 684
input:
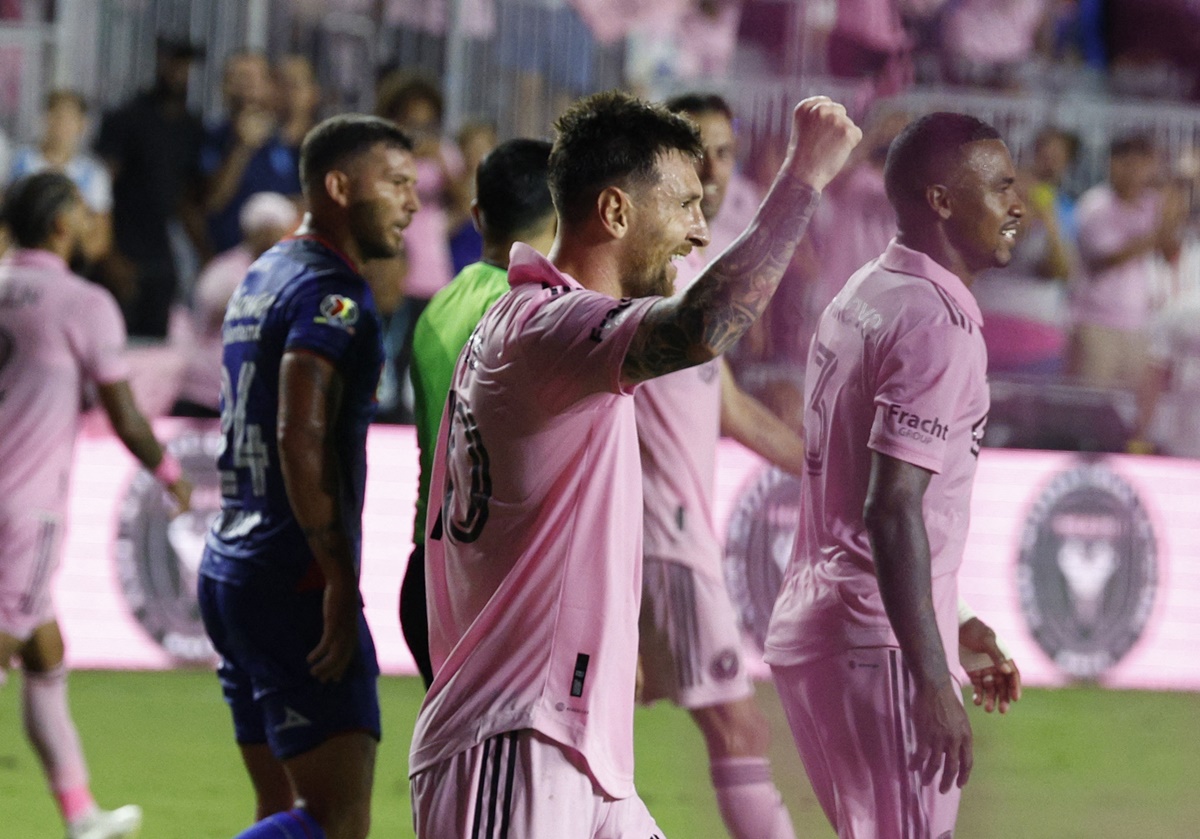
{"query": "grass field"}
pixel 1064 764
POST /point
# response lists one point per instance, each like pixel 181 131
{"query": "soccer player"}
pixel 690 641
pixel 59 335
pixel 533 549
pixel 896 399
pixel 279 579
pixel 512 204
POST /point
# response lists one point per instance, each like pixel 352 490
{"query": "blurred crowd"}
pixel 1103 292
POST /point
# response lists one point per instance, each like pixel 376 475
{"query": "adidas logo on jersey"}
pixel 292 719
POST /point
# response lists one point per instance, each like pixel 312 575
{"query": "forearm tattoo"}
pixel 722 303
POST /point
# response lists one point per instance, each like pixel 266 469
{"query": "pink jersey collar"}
pixel 37 258
pixel 526 265
pixel 905 260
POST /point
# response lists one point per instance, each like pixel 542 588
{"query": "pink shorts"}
pixel 29 555
pixel 691 643
pixel 521 785
pixel 849 715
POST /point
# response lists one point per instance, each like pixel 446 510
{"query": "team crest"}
pixel 758 546
pixel 158 556
pixel 1087 572
pixel 339 311
pixel 725 665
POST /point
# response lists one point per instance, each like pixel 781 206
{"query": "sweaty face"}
pixel 667 224
pixel 715 170
pixel 383 198
pixel 985 208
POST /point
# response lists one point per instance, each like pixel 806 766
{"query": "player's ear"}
pixel 476 216
pixel 337 187
pixel 615 209
pixel 937 196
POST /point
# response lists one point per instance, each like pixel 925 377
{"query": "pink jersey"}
pixel 533 545
pixel 897 366
pixel 58 332
pixel 1122 296
pixel 679 421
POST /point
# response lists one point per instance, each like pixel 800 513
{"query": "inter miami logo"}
pixel 158 557
pixel 1087 570
pixel 758 547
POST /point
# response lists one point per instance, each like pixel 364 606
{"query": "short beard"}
pixel 362 216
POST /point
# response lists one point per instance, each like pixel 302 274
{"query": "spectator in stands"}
pixel 415 104
pixel 991 42
pixel 151 145
pixel 868 40
pixel 1168 396
pixel 61 149
pixel 299 97
pixel 475 140
pixel 246 153
pixel 1024 305
pixel 1125 225
pixel 1055 151
pixel 265 219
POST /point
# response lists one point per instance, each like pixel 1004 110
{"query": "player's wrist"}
pixel 169 470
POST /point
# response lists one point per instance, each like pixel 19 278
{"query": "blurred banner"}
pixel 1088 567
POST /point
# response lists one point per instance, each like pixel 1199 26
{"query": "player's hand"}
pixel 254 127
pixel 339 637
pixel 823 135
pixel 943 735
pixel 995 679
pixel 181 494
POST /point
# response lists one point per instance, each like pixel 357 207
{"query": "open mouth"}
pixel 1009 232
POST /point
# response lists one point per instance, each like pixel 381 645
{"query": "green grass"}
pixel 1069 763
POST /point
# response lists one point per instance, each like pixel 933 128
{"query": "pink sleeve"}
pixel 99 337
pixel 921 378
pixel 581 338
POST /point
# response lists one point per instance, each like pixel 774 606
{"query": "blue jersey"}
pixel 299 295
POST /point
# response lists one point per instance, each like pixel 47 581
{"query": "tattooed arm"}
pixel 310 390
pixel 734 290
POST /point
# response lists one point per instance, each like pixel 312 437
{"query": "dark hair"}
pixel 1052 132
pixel 60 95
pixel 348 135
pixel 699 104
pixel 400 88
pixel 1140 144
pixel 32 204
pixel 608 139
pixel 511 188
pixel 923 153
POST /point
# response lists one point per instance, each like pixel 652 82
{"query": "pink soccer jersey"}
pixel 897 366
pixel 533 546
pixel 679 420
pixel 57 333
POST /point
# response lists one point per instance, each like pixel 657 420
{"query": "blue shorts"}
pixel 264 634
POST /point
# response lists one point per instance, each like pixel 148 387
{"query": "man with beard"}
pixel 691 644
pixel 58 335
pixel 533 549
pixel 896 398
pixel 279 578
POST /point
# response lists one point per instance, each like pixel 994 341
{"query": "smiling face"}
pixel 667 223
pixel 984 209
pixel 382 189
